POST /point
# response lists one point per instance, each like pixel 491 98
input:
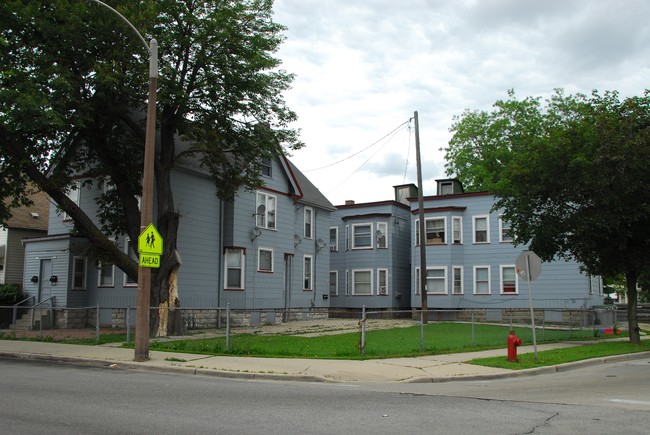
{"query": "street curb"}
pixel 535 371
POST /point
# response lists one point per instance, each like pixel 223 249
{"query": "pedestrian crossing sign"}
pixel 150 241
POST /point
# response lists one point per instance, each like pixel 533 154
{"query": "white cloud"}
pixel 364 67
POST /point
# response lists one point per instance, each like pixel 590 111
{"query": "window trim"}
pixel 310 287
pixel 501 228
pixel 501 280
pixel 242 268
pixel 444 231
pixel 84 275
pixel 487 229
pixel 266 162
pixel 334 247
pixel 259 258
pixel 453 280
pixel 489 280
pixel 308 212
pixel 76 190
pixel 370 235
pixel 100 268
pixel 354 282
pixel 262 220
pixel 429 292
pixel 336 283
pixel 384 232
pixel 381 271
pixel 458 219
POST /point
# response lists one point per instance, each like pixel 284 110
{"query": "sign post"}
pixel 529 266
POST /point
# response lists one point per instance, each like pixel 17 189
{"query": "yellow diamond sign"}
pixel 150 241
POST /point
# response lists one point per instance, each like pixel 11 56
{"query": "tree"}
pixel 73 91
pixel 571 176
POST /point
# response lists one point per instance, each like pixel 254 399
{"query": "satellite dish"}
pixel 261 209
pixel 296 238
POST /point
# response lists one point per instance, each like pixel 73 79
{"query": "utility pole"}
pixel 422 241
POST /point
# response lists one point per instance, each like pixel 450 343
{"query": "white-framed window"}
pixel 308 272
pixel 334 238
pixel 482 280
pixel 457 230
pixel 131 250
pixel 457 280
pixel 362 236
pixel 265 260
pixel 436 280
pixel 434 230
pixel 347 283
pixel 267 167
pixel 105 275
pixel 266 217
pixel 234 266
pixel 481 229
pixel 509 282
pixel 334 282
pixel 382 282
pixel 347 237
pixel 505 234
pixel 382 235
pixel 362 282
pixel 79 273
pixel 309 217
pixel 73 195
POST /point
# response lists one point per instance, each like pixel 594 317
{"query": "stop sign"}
pixel 534 266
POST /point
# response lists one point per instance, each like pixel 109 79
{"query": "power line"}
pixel 360 151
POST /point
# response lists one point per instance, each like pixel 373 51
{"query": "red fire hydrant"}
pixel 513 342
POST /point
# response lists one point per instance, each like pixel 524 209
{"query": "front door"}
pixel 44 284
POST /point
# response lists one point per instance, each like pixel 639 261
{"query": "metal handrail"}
pixel 33 308
pixel 16 307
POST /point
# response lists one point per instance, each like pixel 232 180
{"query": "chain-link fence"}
pixel 364 332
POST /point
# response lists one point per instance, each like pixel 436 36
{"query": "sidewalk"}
pixel 433 368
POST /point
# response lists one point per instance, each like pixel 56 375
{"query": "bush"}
pixel 10 294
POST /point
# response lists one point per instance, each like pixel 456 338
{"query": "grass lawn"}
pixel 564 355
pixel 439 337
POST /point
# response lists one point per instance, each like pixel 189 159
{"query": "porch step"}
pixel 22 324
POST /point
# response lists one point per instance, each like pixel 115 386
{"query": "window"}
pixel 436 281
pixel 446 188
pixel 509 280
pixel 362 282
pixel 361 236
pixel 307 272
pixel 382 282
pixel 457 288
pixel 334 239
pixel 481 229
pixel 347 282
pixel 457 230
pixel 266 166
pixel 105 275
pixel 265 210
pixel 78 273
pixel 434 229
pixel 382 231
pixel 265 260
pixel 347 237
pixel 482 280
pixel 131 251
pixel 505 234
pixel 334 283
pixel 234 277
pixel 309 215
pixel 73 195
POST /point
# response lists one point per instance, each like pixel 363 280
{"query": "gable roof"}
pixel 33 217
pixel 306 192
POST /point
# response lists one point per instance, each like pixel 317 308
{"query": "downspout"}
pixel 220 255
pixel 315 236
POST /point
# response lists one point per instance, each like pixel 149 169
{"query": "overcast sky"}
pixel 364 66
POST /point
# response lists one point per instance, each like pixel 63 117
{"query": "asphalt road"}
pixel 53 398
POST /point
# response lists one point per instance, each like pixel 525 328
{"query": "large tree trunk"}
pixel 633 323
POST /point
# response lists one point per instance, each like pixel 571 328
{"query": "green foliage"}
pixel 10 294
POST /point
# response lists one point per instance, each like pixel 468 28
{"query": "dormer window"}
pixel 446 188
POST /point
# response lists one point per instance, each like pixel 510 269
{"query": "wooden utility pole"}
pixel 423 253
